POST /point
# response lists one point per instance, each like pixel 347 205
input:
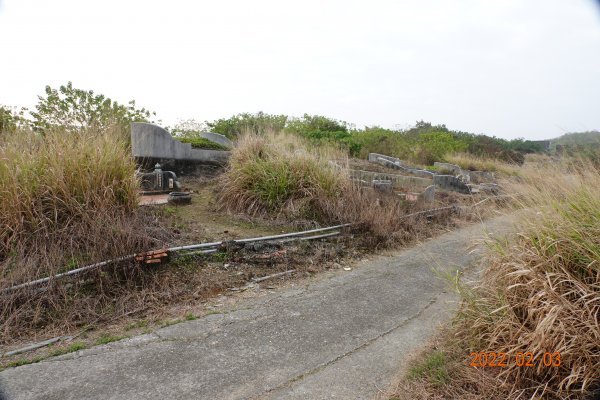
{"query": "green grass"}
pixel 58 352
pixel 107 338
pixel 190 317
pixel 202 143
pixel 169 211
pixel 432 368
pixel 268 173
pixel 170 322
pixel 137 324
pixel 22 361
pixel 70 349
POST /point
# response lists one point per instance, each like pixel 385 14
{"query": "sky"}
pixel 509 68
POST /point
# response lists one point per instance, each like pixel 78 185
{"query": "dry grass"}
pixel 66 199
pixel 474 163
pixel 539 293
pixel 281 175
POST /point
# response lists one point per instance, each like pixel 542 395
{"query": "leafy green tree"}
pixel 12 118
pixel 322 129
pixel 434 145
pixel 74 109
pixel 189 128
pixel 257 123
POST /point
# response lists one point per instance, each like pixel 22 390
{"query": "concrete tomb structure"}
pixel 403 181
pixel 393 162
pixel 451 182
pixel 152 144
pixel 459 181
pixel 382 185
pixel 473 176
pixel 428 194
pixel 159 181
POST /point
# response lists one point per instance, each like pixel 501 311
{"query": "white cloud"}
pixel 509 68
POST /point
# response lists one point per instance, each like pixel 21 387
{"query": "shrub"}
pixel 202 143
pixel 11 119
pixel 320 129
pixel 246 122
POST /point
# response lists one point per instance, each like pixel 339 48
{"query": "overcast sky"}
pixel 509 68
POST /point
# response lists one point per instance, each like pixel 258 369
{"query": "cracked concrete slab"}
pixel 344 336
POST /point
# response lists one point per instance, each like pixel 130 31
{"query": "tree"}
pixel 76 108
pixel 257 123
pixel 11 118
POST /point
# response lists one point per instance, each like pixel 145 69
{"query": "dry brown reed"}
pixel 66 199
pixel 541 291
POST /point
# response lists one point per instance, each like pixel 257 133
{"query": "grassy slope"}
pixel 540 293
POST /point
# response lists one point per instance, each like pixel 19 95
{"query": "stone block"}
pixel 382 185
pixel 450 182
pixel 428 194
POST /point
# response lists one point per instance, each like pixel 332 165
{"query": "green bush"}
pixel 320 129
pixel 247 122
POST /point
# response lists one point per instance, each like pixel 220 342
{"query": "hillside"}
pixel 577 138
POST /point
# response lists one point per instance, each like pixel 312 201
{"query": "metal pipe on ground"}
pixel 259 239
pixel 172 249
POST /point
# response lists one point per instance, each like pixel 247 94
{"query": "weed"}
pixel 170 322
pixel 70 349
pixel 190 317
pixel 169 211
pixel 106 338
pixel 432 368
pixel 220 256
pixel 202 143
pixel 23 361
pixel 67 198
pixel 540 292
pixel 136 325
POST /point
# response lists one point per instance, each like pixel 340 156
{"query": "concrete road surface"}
pixel 343 336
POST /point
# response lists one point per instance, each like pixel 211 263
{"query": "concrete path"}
pixel 344 336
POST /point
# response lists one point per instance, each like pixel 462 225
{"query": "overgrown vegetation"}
pixel 422 144
pixel 275 172
pixel 470 162
pixel 432 368
pixel 202 143
pixel 68 196
pixel 539 294
pixel 281 175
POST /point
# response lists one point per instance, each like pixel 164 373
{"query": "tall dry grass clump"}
pixel 471 162
pixel 541 291
pixel 276 173
pixel 282 175
pixel 66 199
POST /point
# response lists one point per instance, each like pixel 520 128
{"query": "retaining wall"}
pixel 397 180
pixel 152 141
